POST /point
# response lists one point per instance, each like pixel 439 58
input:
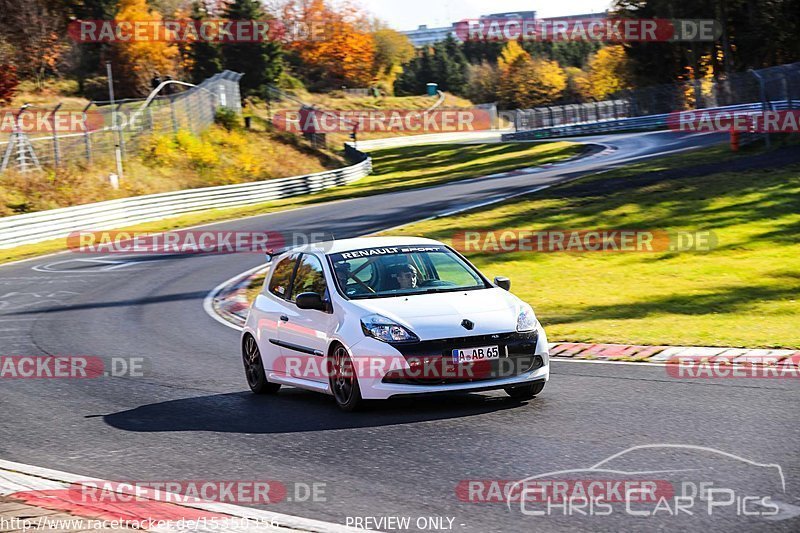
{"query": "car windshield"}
pixel 402 270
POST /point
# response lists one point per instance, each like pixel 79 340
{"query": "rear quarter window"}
pixel 280 283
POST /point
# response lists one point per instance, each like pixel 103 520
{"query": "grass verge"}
pixel 744 292
pixel 163 163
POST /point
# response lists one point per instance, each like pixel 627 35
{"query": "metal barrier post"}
pixel 56 152
pixel 764 104
pixel 87 140
pixel 787 87
pixel 119 133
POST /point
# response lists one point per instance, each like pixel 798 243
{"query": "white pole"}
pixel 117 149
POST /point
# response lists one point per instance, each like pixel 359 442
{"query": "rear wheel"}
pixel 525 392
pixel 254 368
pixel 343 380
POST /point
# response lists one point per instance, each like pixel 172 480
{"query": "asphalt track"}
pixel 192 418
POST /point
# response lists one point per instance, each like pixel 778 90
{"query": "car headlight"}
pixel 526 320
pixel 386 330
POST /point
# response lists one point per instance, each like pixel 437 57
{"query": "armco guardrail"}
pixel 59 223
pixel 650 122
pixel 432 138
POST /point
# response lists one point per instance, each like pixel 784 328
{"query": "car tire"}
pixel 525 392
pixel 343 380
pixel 254 368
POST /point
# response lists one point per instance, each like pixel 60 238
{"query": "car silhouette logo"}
pixel 468 324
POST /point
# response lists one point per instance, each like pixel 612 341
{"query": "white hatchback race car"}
pixel 379 317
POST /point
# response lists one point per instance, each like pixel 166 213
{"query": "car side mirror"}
pixel 502 282
pixel 310 300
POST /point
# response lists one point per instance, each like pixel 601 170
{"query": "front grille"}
pixel 515 343
pixel 432 364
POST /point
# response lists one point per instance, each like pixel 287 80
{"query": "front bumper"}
pixel 387 370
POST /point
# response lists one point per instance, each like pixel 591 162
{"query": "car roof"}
pixel 346 245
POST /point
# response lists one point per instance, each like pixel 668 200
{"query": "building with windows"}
pixel 425 36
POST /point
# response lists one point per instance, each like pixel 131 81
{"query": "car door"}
pixel 304 333
pixel 272 304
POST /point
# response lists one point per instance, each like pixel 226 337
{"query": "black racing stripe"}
pixel 297 348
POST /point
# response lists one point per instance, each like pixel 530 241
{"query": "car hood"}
pixel 439 315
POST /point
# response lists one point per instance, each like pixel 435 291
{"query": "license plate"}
pixel 471 355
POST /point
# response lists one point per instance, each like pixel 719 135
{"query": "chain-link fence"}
pixel 772 88
pixel 193 109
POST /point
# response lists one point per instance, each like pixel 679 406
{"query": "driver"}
pixel 406 276
pixel 342 271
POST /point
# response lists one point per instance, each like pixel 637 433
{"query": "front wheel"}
pixel 525 392
pixel 254 369
pixel 343 380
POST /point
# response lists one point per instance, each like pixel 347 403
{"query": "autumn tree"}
pixel 261 62
pixel 509 54
pixel 8 82
pixel 339 48
pixel 528 82
pixel 136 62
pixel 608 72
pixel 578 85
pixel 392 50
pixel 482 81
pixel 8 73
pixel 36 33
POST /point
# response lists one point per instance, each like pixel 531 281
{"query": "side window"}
pixel 309 277
pixel 282 277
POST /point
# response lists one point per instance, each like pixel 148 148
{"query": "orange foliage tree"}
pixel 137 62
pixel 8 82
pixel 335 45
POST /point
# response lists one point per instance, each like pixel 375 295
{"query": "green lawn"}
pixel 394 169
pixel 745 292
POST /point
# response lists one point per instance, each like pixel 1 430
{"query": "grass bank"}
pixel 743 292
pixel 163 163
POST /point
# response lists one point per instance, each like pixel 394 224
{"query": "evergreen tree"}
pixel 260 62
pixel 444 64
pixel 204 55
pixel 454 75
pixel 478 51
